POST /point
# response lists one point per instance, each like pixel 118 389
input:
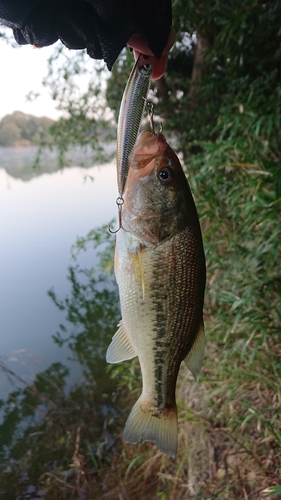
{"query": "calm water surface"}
pixel 57 317
pixel 42 213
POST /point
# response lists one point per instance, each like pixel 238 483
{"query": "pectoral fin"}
pixel 137 264
pixel 194 359
pixel 120 348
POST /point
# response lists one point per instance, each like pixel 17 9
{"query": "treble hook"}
pixel 119 203
pixel 150 110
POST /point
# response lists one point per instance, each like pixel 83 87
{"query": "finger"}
pixel 159 65
pixel 137 43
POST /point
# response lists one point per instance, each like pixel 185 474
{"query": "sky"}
pixel 22 70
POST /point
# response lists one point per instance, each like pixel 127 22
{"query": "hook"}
pixel 150 110
pixel 119 203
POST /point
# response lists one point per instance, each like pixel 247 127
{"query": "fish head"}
pixel 157 199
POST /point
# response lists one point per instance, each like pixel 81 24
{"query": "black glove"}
pixel 102 26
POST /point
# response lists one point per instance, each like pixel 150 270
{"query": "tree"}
pixel 22 129
pixel 10 133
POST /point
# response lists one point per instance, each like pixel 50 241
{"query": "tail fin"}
pixel 144 424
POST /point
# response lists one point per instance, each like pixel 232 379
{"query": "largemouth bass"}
pixel 160 270
pixel 130 115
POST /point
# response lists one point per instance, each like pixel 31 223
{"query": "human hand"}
pixel 139 47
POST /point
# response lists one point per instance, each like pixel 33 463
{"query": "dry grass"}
pixel 229 447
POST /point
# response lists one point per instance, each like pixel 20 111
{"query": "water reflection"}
pixel 49 430
pixel 92 312
pixel 39 222
pixel 54 434
pixel 26 163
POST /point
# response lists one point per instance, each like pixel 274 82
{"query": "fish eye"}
pixel 165 175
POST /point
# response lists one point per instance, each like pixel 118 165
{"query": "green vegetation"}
pixel 19 129
pixel 220 101
pixel 87 119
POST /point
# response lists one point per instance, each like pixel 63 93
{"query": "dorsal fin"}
pixel 194 359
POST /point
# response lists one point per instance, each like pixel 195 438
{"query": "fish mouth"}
pixel 147 147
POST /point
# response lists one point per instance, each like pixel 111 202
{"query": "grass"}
pixel 229 438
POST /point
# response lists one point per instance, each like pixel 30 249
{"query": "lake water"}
pixel 42 212
pixel 57 317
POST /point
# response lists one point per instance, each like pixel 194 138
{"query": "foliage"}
pixel 102 241
pixel 20 129
pixel 92 311
pixel 47 426
pixel 77 85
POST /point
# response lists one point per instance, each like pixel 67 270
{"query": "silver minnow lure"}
pixel 130 115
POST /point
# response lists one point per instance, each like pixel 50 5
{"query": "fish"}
pixel 130 115
pixel 161 273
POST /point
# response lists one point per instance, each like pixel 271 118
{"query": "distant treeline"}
pixel 19 129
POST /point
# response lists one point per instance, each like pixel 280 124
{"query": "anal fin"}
pixel 120 348
pixel 194 359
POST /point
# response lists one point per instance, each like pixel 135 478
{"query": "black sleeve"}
pixel 101 26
